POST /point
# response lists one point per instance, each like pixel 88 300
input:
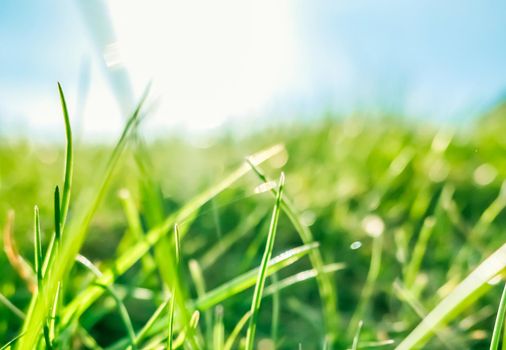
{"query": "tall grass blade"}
pixel 419 251
pixel 236 331
pixel 10 342
pixel 170 335
pixel 465 294
pixel 13 308
pixel 219 328
pixel 225 243
pixel 375 344
pixel 372 276
pixel 173 295
pixel 54 313
pixel 177 244
pixel 499 322
pixel 242 282
pixel 262 271
pixel 121 306
pixel 136 252
pixel 192 326
pixel 149 324
pixel 200 287
pixel 448 337
pixel 356 337
pixel 22 268
pixel 57 215
pixel 489 214
pixel 504 338
pixel 37 249
pixel 67 183
pixel 249 278
pixel 300 277
pixel 276 307
pixel 325 286
pixel 135 226
pixel 75 236
pixel 38 270
pixel 55 242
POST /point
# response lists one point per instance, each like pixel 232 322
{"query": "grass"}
pixel 499 322
pixel 123 312
pixel 388 234
pixel 262 271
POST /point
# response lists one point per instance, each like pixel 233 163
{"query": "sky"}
pixel 245 63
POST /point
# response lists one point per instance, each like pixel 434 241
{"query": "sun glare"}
pixel 209 61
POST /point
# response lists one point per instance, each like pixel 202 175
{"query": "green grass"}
pixel 262 271
pixel 499 323
pixel 389 234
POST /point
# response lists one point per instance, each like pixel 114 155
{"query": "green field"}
pixel 408 218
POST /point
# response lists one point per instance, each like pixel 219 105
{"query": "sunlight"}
pixel 209 61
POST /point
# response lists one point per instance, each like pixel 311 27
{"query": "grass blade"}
pixel 54 313
pixel 170 336
pixel 419 251
pixel 121 306
pixel 372 276
pixel 37 248
pixel 13 308
pixel 22 268
pixel 375 344
pixel 135 226
pixel 275 310
pixel 300 277
pixel 260 282
pixel 504 339
pixel 499 322
pixel 489 214
pixel 223 245
pixel 325 285
pixel 248 279
pixel 200 286
pixel 10 342
pixel 131 213
pixel 136 252
pixel 38 271
pixel 147 327
pixel 177 244
pixel 192 326
pixel 448 337
pixel 181 338
pixel 466 293
pixel 219 328
pixel 356 337
pixel 57 215
pixel 67 183
pixel 55 241
pixel 74 239
pixel 173 294
pixel 241 283
pixel 236 331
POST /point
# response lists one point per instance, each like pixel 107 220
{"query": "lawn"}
pixel 386 233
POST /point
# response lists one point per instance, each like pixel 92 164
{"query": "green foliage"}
pixel 390 234
pixel 262 271
pixel 499 323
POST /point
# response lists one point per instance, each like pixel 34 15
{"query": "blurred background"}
pixel 392 114
pixel 243 64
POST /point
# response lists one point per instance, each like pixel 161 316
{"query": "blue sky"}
pixel 240 61
pixel 441 51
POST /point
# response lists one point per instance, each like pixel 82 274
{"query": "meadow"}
pixel 355 232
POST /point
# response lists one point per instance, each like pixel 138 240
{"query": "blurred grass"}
pixel 430 193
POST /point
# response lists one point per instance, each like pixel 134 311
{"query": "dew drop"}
pixel 355 245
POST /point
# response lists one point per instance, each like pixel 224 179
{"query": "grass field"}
pixel 384 234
